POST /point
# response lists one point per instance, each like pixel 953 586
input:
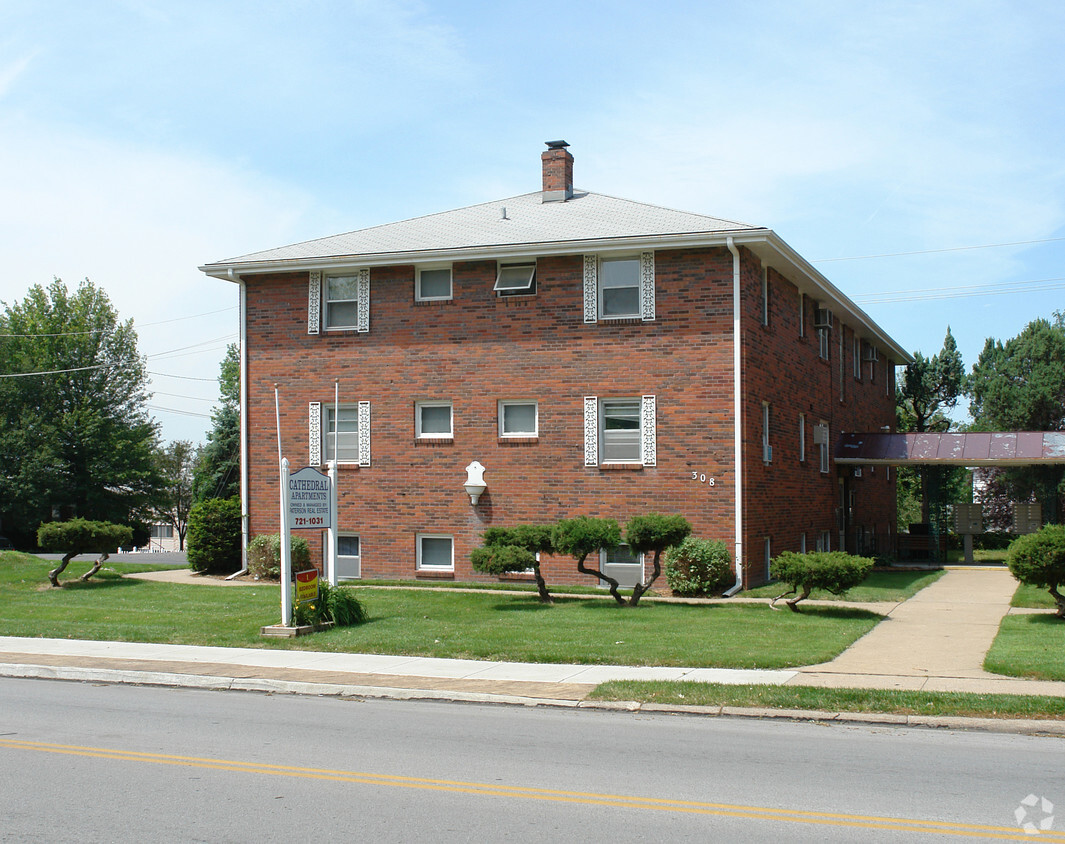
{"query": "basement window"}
pixel 516 279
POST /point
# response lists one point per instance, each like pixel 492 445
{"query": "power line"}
pixel 142 325
pixel 179 412
pixel 182 377
pixel 179 396
pixel 964 291
pixel 933 251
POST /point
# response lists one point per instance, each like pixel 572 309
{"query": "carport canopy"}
pixel 1016 448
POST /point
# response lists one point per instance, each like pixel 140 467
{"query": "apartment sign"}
pixel 308 499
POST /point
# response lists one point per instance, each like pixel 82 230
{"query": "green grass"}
pixel 1029 646
pixel 1032 597
pixel 427 623
pixel 835 700
pixel 891 586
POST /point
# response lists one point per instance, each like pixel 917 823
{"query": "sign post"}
pixel 306 504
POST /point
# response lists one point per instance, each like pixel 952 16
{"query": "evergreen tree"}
pixel 217 472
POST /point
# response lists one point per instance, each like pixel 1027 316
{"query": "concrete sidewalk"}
pixel 936 641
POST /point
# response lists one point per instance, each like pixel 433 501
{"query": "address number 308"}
pixel 703 479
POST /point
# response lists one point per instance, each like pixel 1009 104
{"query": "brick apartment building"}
pixel 584 350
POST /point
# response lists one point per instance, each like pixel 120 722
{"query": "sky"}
pixel 912 151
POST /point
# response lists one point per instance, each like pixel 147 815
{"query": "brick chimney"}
pixel 558 172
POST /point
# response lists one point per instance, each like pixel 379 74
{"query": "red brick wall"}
pixel 479 348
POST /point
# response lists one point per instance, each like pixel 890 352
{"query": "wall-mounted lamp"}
pixel 475 484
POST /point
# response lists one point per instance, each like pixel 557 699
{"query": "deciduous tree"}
pixel 74 428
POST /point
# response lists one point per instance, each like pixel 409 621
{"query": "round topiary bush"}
pixel 213 539
pixel 1038 559
pixel 699 567
pixel 264 556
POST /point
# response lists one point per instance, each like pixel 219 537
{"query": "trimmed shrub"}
pixel 652 534
pixel 833 571
pixel 513 550
pixel 699 568
pixel 264 556
pixel 81 536
pixel 584 535
pixel 1038 559
pixel 213 540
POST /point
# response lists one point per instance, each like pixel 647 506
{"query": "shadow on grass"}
pixel 97 581
pixel 834 612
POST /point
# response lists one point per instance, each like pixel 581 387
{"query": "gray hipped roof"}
pixel 528 221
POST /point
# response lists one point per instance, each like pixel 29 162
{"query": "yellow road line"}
pixel 531 793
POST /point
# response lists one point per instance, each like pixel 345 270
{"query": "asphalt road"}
pixel 86 763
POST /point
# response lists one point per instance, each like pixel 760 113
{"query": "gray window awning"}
pixel 1016 448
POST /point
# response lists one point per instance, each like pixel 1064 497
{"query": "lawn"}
pixel 891 586
pixel 835 700
pixel 455 624
pixel 1032 597
pixel 1029 646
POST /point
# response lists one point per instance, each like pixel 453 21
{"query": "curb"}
pixel 1012 726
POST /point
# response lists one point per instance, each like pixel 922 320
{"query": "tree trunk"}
pixel 53 575
pixel 613 583
pixel 1059 599
pixel 96 567
pixel 640 588
pixel 541 586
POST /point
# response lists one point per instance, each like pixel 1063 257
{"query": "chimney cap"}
pixel 556 144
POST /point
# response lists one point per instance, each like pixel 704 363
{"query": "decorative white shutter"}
pixel 363 277
pixel 647 286
pixel 648 432
pixel 314 302
pixel 314 433
pixel 591 288
pixel 591 431
pixel 364 433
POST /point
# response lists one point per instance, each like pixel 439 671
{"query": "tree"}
pixel 509 550
pixel 929 387
pixel 654 533
pixel 1019 385
pixel 217 471
pixel 176 463
pixel 833 571
pixel 80 536
pixel 1038 559
pixel 74 427
pixel 584 535
pixel 214 535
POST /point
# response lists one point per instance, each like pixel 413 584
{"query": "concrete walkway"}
pixel 935 641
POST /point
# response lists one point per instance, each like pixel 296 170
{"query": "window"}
pixel 162 531
pixel 802 314
pixel 621 431
pixel 341 429
pixel 767 554
pixel 822 341
pixel 857 358
pixel 349 557
pixel 802 544
pixel 821 440
pixel 516 279
pixel 619 288
pixel 824 541
pixel 518 419
pixel 767 449
pixel 433 419
pixel 433 284
pixel 342 301
pixel 823 324
pixel 621 564
pixel 802 437
pixel 435 553
pixel 353 436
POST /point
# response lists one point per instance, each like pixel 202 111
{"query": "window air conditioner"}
pixel 820 435
pixel 823 318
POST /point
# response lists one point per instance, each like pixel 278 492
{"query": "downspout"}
pixel 243 425
pixel 737 411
